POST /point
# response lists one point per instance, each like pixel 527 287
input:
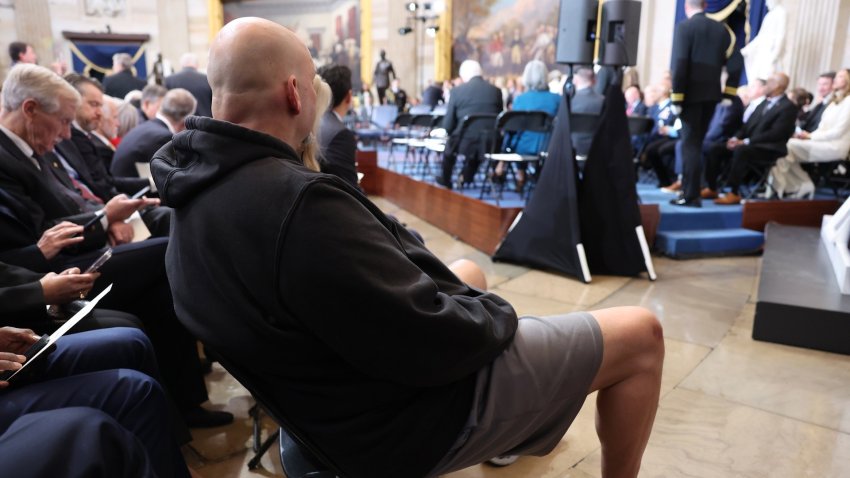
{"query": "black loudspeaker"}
pixel 576 31
pixel 619 32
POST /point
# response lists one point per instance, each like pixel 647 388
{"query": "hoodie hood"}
pixel 207 151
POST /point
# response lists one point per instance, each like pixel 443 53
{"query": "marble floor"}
pixel 730 406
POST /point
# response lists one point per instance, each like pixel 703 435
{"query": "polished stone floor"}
pixel 730 406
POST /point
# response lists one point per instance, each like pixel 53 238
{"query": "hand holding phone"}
pixel 99 262
pixel 141 192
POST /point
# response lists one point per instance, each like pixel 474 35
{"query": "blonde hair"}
pixel 310 152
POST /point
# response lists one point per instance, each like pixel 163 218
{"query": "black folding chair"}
pixel 641 126
pixel 510 128
pixel 583 123
pixel 299 458
pixel 475 129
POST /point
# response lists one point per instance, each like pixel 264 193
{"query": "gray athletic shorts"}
pixel 528 397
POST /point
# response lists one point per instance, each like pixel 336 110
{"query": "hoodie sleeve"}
pixel 383 303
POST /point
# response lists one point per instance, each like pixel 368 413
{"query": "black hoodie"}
pixel 365 340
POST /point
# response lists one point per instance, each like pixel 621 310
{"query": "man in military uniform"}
pixel 701 47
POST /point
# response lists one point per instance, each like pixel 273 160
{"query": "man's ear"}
pixel 28 107
pixel 348 97
pixel 293 99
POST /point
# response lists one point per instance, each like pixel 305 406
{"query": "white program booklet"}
pixel 62 330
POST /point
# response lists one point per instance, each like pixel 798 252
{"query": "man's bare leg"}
pixel 629 382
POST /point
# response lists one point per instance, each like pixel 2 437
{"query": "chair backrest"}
pixel 517 121
pixel 403 120
pixel 639 125
pixel 244 377
pixel 512 125
pixel 583 122
pixel 439 110
pixel 481 126
pixel 420 110
pixel 423 121
pixel 383 116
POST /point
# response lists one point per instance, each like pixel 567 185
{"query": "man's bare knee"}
pixel 633 344
pixel 469 272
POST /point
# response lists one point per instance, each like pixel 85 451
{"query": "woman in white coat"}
pixel 829 142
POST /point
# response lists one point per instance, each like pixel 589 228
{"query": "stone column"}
pixel 32 25
pixel 173 21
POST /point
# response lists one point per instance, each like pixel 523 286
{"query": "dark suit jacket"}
pixel 339 147
pixel 119 84
pixel 81 151
pixel 771 129
pixel 811 121
pixel 725 122
pixel 701 47
pixel 19 236
pixel 588 101
pixel 20 292
pixel 640 109
pixel 44 205
pixel 138 146
pixel 474 96
pixel 432 96
pixel 197 84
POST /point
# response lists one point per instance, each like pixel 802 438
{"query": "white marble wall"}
pixel 7 32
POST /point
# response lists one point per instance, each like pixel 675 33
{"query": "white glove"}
pixel 676 109
pixel 725 102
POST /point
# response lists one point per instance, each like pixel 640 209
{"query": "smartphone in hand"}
pixel 99 262
pixel 141 192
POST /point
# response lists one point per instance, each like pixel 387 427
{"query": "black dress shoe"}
pixel 686 202
pixel 439 180
pixel 200 417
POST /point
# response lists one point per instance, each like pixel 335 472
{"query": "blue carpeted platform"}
pixel 682 232
pixel 709 230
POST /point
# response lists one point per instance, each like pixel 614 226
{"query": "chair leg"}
pixel 264 447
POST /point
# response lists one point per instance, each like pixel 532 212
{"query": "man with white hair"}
pixel 122 80
pixel 39 108
pixel 195 82
pixel 144 140
pixel 474 96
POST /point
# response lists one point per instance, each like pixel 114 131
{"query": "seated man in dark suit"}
pixel 810 121
pixel 40 107
pixel 25 296
pixel 634 102
pixel 586 100
pixel 151 100
pixel 80 158
pixel 109 372
pixel 724 124
pixel 475 95
pixel 433 94
pixel 762 140
pixel 122 80
pixel 339 146
pixel 142 141
pixel 193 81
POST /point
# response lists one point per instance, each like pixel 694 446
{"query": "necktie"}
pixel 61 188
pixel 76 179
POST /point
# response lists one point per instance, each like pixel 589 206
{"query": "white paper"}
pixel 140 229
pixel 66 327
